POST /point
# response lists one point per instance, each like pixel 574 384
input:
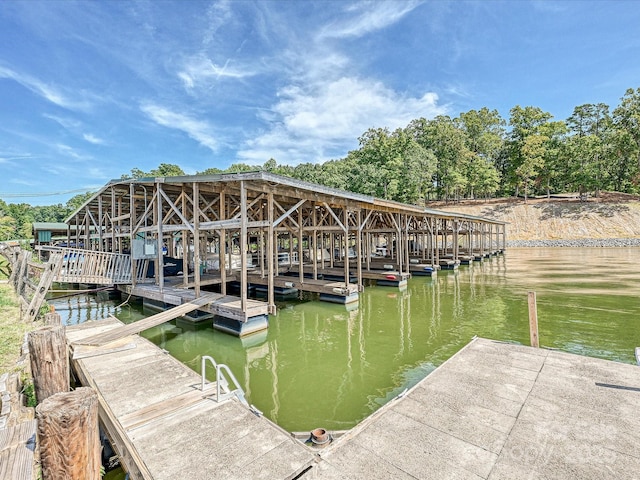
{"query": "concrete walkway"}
pixel 501 411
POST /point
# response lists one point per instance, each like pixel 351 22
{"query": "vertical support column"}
pixel 185 241
pixel 132 233
pixel 313 244
pixel 158 220
pixel 243 246
pixel 100 216
pixel 331 249
pixel 504 237
pixel 222 254
pixel 196 237
pixel 456 239
pixel 300 256
pixel 345 244
pixel 359 251
pixel 270 255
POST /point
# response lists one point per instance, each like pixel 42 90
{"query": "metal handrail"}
pixel 220 367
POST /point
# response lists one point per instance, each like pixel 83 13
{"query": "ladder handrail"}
pixel 220 369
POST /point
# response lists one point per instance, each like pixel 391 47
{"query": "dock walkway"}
pixel 493 411
pixel 500 411
pixel 165 427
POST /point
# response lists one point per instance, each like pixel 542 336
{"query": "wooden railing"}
pixel 30 279
pixel 99 268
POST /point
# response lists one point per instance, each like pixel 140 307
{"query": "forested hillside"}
pixel 478 154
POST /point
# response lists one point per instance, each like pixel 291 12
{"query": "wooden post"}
pixel 69 436
pixel 53 319
pixel 244 218
pixel 49 361
pixel 533 320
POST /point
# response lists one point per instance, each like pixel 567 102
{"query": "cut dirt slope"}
pixel 610 216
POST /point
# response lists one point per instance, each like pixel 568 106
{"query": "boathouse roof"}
pixel 280 185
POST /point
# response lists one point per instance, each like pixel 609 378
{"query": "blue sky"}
pixel 90 90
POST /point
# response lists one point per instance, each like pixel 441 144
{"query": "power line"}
pixel 44 194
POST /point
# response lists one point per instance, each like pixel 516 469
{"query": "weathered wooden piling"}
pixel 49 361
pixel 533 320
pixel 69 436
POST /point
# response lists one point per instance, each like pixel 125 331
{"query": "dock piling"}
pixel 533 320
pixel 69 436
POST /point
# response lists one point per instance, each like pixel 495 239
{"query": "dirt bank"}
pixel 612 215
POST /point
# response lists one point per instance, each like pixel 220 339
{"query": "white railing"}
pixel 222 385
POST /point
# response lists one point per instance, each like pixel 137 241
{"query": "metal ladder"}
pixel 222 384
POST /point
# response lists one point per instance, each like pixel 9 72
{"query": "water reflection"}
pixel 320 364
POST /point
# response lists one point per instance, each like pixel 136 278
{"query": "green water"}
pixel 320 365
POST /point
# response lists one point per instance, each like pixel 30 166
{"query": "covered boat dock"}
pixel 201 233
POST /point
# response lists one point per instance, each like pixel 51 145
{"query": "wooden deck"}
pixel 164 427
pixel 307 285
pixel 499 411
pixel 226 306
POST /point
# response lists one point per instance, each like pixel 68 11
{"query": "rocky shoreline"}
pixel 577 243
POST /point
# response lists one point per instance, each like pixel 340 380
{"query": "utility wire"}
pixel 44 194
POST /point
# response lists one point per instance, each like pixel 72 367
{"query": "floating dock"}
pixel 500 411
pixel 493 411
pixel 163 425
pixel 227 310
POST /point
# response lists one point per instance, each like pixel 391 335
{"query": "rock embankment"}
pixel 610 221
pixel 578 243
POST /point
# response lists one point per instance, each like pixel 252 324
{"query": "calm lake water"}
pixel 320 365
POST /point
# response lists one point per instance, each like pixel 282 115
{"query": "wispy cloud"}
pixel 68 151
pixel 48 92
pixel 198 130
pixel 311 123
pixel 201 71
pixel 368 17
pixel 93 139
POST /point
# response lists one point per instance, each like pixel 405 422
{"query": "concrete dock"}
pixel 501 411
pixel 493 411
pixel 165 427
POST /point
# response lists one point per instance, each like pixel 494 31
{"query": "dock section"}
pixel 500 411
pixel 165 427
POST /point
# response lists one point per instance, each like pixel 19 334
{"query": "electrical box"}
pixel 144 249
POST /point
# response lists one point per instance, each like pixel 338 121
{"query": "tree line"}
pixel 478 154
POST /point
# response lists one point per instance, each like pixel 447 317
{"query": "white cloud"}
pixel 45 91
pixel 198 130
pixel 93 139
pixel 201 71
pixel 311 123
pixel 68 151
pixel 368 17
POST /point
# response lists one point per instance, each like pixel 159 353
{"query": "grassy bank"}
pixel 12 330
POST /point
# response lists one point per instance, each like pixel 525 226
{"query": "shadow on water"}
pixel 320 364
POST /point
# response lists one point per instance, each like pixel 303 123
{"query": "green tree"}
pixel 522 167
pixel 485 138
pixel 448 143
pixel 210 171
pixel 627 117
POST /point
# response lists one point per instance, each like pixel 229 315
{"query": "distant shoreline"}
pixel 576 243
